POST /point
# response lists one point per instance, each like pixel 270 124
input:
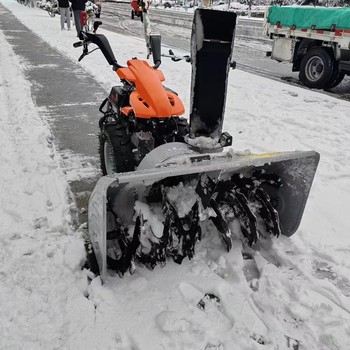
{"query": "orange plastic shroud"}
pixel 150 99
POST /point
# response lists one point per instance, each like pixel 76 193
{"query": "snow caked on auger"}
pixel 164 178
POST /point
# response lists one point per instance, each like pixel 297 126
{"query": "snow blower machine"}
pixel 165 178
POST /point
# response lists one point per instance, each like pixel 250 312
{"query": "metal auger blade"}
pixel 268 213
pixel 239 203
pixel 157 253
pixel 172 229
pixel 186 230
pixel 251 189
pixel 193 234
pixel 226 192
pixel 205 189
pixel 128 250
pixel 221 225
pixel 229 192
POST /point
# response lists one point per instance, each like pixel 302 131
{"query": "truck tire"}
pixel 335 81
pixel 316 68
pixel 115 148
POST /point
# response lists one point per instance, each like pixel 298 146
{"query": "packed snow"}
pixel 288 293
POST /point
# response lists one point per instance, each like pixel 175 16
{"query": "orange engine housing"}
pixel 150 98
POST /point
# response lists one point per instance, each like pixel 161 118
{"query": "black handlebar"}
pixel 175 58
pixel 78 44
pixel 102 42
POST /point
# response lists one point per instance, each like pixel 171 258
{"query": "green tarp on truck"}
pixel 308 16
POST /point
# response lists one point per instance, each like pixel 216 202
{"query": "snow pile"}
pixel 40 255
pixel 203 142
pixel 183 197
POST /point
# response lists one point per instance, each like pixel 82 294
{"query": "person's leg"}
pixel 77 21
pixel 62 17
pixel 67 17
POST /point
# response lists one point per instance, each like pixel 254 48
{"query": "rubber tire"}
pixel 324 59
pixel 119 142
pixel 336 81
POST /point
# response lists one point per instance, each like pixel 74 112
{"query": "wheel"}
pixel 132 14
pixel 316 68
pixel 335 81
pixel 115 148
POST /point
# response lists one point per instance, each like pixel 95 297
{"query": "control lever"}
pixel 78 44
pixel 174 58
pixel 96 25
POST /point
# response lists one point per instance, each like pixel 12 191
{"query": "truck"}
pixel 316 40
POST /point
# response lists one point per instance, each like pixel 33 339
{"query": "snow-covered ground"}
pixel 293 294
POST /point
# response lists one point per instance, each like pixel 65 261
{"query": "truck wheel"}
pixel 316 68
pixel 115 148
pixel 336 81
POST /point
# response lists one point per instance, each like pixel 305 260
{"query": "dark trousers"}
pixel 77 21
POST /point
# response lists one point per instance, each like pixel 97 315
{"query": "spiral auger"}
pixel 121 249
pixel 178 238
pixel 244 199
pixel 177 241
pixel 238 198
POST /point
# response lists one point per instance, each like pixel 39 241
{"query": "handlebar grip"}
pixel 78 44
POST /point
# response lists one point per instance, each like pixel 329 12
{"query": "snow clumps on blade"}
pixel 182 197
pixel 203 142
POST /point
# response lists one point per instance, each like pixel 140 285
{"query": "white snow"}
pixel 203 142
pixel 293 294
